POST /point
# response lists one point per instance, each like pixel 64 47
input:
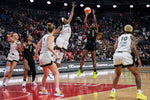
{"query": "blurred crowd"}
pixel 24 23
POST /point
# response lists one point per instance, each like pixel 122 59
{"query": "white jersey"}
pixel 14 47
pixel 44 43
pixel 65 32
pixel 124 43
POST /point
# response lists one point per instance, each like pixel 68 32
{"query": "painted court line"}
pixel 93 93
pixel 28 93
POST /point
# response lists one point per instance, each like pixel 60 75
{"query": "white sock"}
pixel 7 80
pixel 139 91
pixel 113 90
pixel 42 88
pixel 57 89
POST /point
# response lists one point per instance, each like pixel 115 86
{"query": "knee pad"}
pixel 7 69
pixel 54 57
pixel 61 54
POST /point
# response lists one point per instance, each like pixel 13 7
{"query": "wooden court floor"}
pixel 83 87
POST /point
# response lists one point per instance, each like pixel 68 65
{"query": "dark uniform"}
pixel 28 55
pixel 91 40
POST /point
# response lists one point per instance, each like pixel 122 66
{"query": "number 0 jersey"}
pixel 91 36
pixel 65 32
pixel 124 43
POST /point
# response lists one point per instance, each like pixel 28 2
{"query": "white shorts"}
pixel 45 59
pixel 61 43
pixel 123 59
pixel 13 56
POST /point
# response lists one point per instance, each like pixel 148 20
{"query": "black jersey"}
pixel 91 40
pixel 29 50
pixel 91 35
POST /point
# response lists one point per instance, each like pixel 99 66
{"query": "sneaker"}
pixel 4 84
pixel 79 72
pixel 59 94
pixel 34 83
pixel 24 84
pixel 94 75
pixel 51 76
pixel 140 96
pixel 43 92
pixel 112 95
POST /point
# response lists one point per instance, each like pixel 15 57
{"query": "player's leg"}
pixel 85 53
pixel 136 74
pixel 117 60
pixel 14 63
pixel 33 70
pixel 61 54
pixel 46 72
pixel 115 80
pixel 55 71
pixel 26 68
pixel 7 70
pixel 93 57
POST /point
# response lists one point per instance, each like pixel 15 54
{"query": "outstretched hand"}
pixel 93 11
pixel 86 14
pixel 73 4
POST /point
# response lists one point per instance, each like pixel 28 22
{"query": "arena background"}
pixel 26 18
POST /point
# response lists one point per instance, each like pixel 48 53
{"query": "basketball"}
pixel 87 10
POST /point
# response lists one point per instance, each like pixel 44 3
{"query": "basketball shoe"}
pixel 59 94
pixel 43 92
pixel 112 95
pixel 140 96
pixel 94 75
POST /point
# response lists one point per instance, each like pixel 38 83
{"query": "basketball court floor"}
pixel 83 87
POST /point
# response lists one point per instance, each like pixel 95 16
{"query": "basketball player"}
pixel 91 43
pixel 28 60
pixel 45 59
pixel 63 39
pixel 124 45
pixel 13 56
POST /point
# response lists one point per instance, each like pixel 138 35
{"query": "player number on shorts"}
pixel 124 38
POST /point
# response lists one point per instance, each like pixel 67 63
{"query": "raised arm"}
pixel 50 46
pixel 135 51
pixel 95 21
pixel 10 37
pixel 37 49
pixel 85 21
pixel 72 12
pixel 58 30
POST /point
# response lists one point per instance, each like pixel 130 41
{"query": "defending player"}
pixel 45 59
pixel 28 60
pixel 13 56
pixel 124 45
pixel 91 44
pixel 63 39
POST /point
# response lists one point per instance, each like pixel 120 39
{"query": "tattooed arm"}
pixel 135 51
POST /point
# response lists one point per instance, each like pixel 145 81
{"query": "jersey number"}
pixel 124 38
pixel 92 33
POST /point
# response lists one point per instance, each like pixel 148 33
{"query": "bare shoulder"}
pixel 132 37
pixel 51 37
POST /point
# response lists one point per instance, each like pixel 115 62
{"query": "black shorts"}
pixel 47 64
pixel 90 46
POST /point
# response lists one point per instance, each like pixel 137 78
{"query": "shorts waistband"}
pixel 121 51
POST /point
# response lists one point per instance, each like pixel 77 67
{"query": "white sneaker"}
pixel 43 92
pixel 58 94
pixel 4 84
pixel 51 76
pixel 24 84
pixel 34 83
